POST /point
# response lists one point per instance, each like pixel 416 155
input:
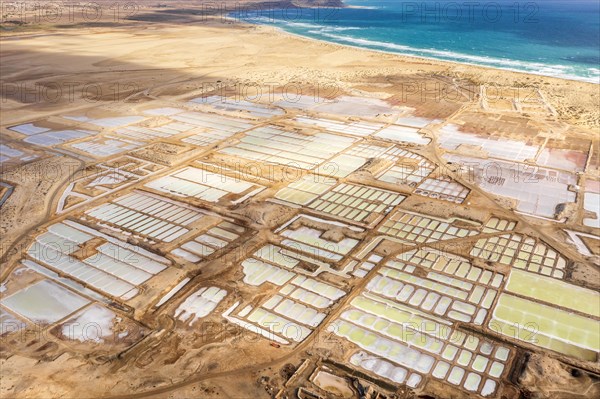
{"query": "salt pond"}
pixel 44 302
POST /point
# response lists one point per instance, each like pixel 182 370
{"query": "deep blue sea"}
pixel 546 37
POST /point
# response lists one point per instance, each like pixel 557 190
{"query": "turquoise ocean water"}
pixel 545 37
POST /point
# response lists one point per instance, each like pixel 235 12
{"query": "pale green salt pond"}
pixel 547 326
pixel 554 291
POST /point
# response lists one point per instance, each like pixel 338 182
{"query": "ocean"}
pixel 544 37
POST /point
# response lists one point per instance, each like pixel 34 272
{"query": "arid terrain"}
pixel 192 206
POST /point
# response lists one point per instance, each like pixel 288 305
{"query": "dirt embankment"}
pixel 36 185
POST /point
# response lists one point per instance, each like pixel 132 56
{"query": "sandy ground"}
pixel 33 197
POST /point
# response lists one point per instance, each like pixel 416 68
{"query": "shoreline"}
pixel 8 35
pixel 429 59
pixel 417 57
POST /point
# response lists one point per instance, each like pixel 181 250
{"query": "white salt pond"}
pixel 205 185
pixel 305 189
pixel 415 121
pixel 94 323
pixel 591 202
pixel 358 203
pixel 53 137
pixel 357 107
pixel 537 190
pixel 164 111
pixel 452 138
pixel 149 215
pixel 239 107
pixel 444 189
pixel 44 302
pixel 271 144
pixel 115 267
pixel 110 122
pixel 200 304
pixel 106 146
pixel 403 134
pixel 361 129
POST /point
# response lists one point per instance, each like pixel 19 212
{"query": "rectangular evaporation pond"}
pixel 269 144
pixel 443 189
pixel 386 369
pixel 206 139
pixel 165 111
pixel 172 292
pixel 358 203
pixel 28 129
pixel 371 151
pixel 563 159
pixel 341 166
pixel 554 291
pixel 438 293
pixel 51 138
pixel 203 184
pixel 305 189
pixel 213 123
pixel 44 302
pixel 254 109
pixel 209 241
pixel 591 202
pixel 553 328
pixel 396 154
pixel 360 129
pixel 300 102
pixel 102 147
pixel 418 228
pixel 403 134
pixel 148 215
pixel 538 190
pixel 372 321
pixel 204 177
pixel 257 272
pixel 295 310
pixel 9 151
pixel 312 237
pixel 451 138
pixel 117 121
pixel 200 304
pixel 414 121
pixel 150 133
pixel 89 273
pixel 404 174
